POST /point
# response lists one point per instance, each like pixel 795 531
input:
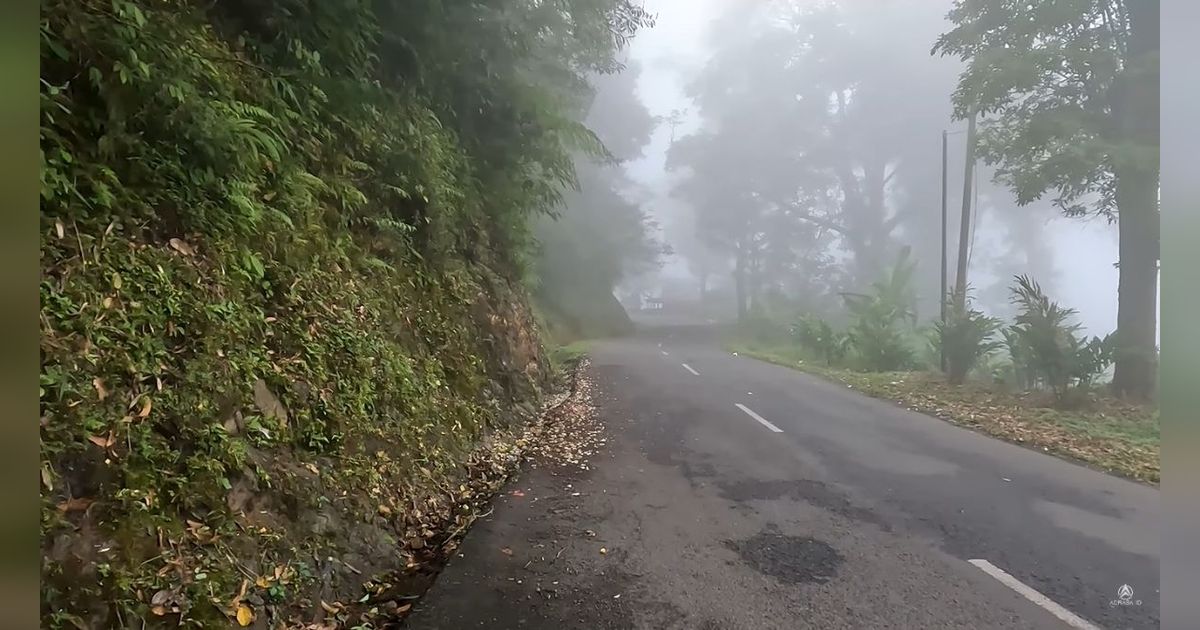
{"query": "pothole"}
pixel 789 559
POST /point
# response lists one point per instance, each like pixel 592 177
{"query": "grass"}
pixel 567 356
pixel 1105 433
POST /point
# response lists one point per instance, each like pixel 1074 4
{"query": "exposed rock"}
pixel 268 403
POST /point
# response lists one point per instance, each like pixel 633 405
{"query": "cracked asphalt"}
pixel 856 514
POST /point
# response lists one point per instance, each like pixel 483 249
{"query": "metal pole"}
pixel 942 294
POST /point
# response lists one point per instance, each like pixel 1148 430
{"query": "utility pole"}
pixel 964 229
pixel 942 294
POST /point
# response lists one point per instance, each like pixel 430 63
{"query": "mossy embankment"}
pixel 281 301
pixel 189 417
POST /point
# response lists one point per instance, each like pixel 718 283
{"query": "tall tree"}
pixel 599 235
pixel 1069 91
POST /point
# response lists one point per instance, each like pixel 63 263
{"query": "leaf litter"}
pixel 565 436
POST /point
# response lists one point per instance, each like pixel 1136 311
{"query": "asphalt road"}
pixel 807 506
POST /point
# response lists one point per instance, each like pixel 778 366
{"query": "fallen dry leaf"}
pixel 506 551
pixel 75 504
pixel 182 247
pixel 59 229
pixel 146 404
pixel 403 609
pixel 102 442
pixel 245 616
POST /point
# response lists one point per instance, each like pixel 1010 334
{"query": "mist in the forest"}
pixel 823 122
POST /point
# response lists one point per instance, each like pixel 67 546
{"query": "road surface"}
pixel 737 494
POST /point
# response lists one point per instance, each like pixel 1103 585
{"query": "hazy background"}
pixel 1072 258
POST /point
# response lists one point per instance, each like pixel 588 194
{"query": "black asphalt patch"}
pixel 789 559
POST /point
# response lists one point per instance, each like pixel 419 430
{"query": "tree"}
pixel 1069 94
pixel 816 110
pixel 598 235
pixel 754 198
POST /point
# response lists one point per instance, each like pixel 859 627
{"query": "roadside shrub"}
pixel 1092 358
pixel 1044 346
pixel 1042 335
pixel 816 336
pixel 883 320
pixel 879 347
pixel 966 337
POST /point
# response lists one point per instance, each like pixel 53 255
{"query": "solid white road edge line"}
pixel 689 368
pixel 1068 617
pixel 761 419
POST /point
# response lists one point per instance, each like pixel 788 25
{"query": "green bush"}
pixel 819 338
pixel 965 338
pixel 1044 346
pixel 882 321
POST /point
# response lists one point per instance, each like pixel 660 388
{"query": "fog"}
pixel 705 72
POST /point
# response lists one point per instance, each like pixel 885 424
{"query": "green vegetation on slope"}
pixel 281 245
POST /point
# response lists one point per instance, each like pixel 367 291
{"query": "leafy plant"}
pixel 818 337
pixel 1044 333
pixel 1070 92
pixel 1091 358
pixel 1045 348
pixel 883 319
pixel 965 337
pixel 1017 371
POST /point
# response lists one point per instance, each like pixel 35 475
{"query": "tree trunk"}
pixel 1135 108
pixel 1137 287
pixel 964 225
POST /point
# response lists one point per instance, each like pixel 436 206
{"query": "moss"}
pixel 280 302
pixel 151 360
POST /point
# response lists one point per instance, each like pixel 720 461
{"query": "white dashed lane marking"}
pixel 1068 617
pixel 762 420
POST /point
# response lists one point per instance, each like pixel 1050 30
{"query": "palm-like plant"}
pixel 965 337
pixel 1044 335
pixel 877 332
